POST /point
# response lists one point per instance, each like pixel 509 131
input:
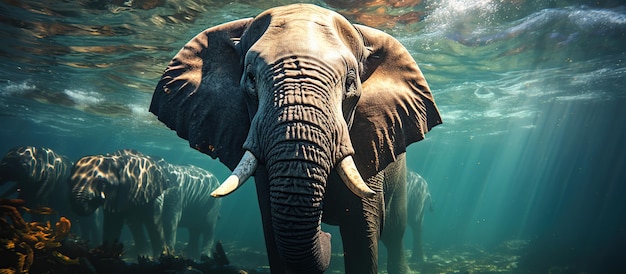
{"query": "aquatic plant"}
pixel 21 242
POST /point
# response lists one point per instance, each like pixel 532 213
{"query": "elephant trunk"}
pixel 84 200
pixel 300 153
pixel 300 134
pixel 296 194
pixel 79 202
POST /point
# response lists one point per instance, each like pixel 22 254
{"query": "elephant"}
pixel 40 175
pixel 303 100
pixel 417 197
pixel 189 204
pixel 127 185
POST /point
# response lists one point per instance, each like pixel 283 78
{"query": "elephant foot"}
pixel 398 265
pixel 398 269
pixel 168 251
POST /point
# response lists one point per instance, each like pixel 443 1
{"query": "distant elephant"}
pixel 302 99
pixel 189 204
pixel 417 197
pixel 40 175
pixel 127 185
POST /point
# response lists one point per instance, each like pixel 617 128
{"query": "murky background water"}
pixel 532 93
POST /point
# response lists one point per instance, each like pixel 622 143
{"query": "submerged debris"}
pixel 219 255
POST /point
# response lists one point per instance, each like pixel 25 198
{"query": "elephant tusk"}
pixel 246 167
pixel 351 177
pixel 102 195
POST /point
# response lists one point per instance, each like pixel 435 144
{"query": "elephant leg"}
pixel 263 193
pixel 208 237
pixel 392 239
pixel 360 224
pixel 156 239
pixel 135 226
pixel 89 229
pixel 395 216
pixel 152 221
pixel 207 234
pixel 193 246
pixel 171 213
pixel 418 248
pixel 360 247
pixel 112 227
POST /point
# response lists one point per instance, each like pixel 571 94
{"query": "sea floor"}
pixel 460 259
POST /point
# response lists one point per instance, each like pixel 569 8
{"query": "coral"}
pixel 62 228
pixel 22 242
pixel 38 247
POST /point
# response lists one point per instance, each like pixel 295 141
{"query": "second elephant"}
pixel 126 184
pixel 147 192
pixel 189 204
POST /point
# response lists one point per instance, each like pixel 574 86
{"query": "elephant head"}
pixel 37 172
pixel 115 182
pixel 294 92
pixel 15 167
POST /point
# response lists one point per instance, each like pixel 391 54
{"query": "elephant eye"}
pixel 351 88
pixel 350 83
pixel 251 81
pixel 250 87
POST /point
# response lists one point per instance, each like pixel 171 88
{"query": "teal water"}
pixel 532 94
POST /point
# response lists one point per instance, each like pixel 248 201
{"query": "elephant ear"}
pixel 199 95
pixel 396 107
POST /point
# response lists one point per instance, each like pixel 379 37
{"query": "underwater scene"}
pixel 115 141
